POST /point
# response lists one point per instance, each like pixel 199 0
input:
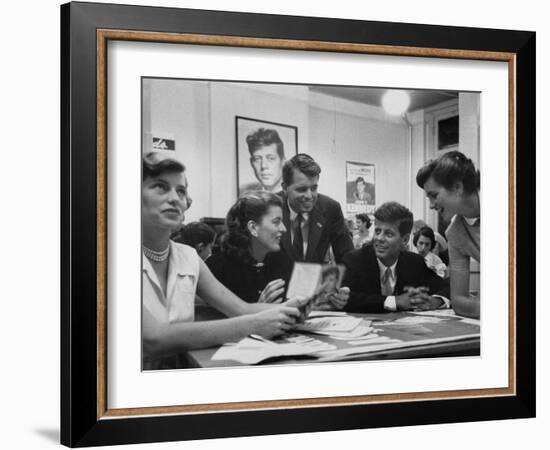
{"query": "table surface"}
pixel 453 336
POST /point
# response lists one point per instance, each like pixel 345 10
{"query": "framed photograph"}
pixel 262 149
pixel 141 82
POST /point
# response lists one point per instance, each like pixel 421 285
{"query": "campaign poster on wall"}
pixel 360 187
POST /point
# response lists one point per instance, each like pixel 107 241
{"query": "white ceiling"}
pixel 420 99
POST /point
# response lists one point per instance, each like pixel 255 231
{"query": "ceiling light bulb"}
pixel 396 102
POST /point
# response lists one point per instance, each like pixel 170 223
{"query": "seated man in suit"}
pixel 314 221
pixel 384 277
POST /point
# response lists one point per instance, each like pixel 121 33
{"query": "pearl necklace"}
pixel 156 256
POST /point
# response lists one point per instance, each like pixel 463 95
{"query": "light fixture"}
pixel 396 102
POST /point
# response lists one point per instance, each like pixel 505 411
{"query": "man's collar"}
pixel 293 214
pixel 383 267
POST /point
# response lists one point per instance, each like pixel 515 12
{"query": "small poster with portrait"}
pixel 360 187
pixel 262 149
pixel 312 280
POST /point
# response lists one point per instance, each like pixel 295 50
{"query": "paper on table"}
pixel 345 323
pixel 253 351
pixel 414 320
pixel 449 313
pixel 357 333
pixel 335 355
pixel 374 339
pixel 314 314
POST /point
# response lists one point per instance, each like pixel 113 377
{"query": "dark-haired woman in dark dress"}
pixel 254 229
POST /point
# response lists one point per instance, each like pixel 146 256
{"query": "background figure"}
pixel 267 157
pixel 198 235
pixel 451 183
pixel 424 241
pixel 364 231
pixel 440 246
pixel 254 228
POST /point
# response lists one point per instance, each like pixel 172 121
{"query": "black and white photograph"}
pixel 379 185
pixel 262 149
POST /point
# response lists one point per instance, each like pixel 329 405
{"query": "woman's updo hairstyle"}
pixel 253 206
pixel 156 163
pixel 449 169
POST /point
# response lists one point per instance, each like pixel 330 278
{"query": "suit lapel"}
pixel 316 225
pixel 399 274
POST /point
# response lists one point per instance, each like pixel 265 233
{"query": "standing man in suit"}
pixel 384 277
pixel 315 221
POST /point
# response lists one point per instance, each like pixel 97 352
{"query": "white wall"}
pixel 336 138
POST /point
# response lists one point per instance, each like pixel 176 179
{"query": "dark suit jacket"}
pixel 327 227
pixel 363 278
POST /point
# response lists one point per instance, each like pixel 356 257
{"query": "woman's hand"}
pixel 304 306
pixel 273 292
pixel 274 321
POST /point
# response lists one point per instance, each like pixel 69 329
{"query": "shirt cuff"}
pixel 390 304
pixel 446 302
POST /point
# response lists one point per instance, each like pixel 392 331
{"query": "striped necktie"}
pixel 385 286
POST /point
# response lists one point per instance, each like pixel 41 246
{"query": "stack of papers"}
pixel 329 324
pixel 252 350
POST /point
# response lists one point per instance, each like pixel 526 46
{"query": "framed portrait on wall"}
pixel 262 149
pixel 106 397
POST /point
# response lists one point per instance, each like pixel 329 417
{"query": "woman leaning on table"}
pixel 173 273
pixel 451 183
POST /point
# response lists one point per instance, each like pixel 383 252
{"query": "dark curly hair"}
pixel 426 232
pixel 254 205
pixel 449 169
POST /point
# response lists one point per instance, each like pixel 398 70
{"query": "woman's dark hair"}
pixel 364 218
pixel 155 163
pixel 426 232
pixel 195 233
pixel 449 169
pixel 252 206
